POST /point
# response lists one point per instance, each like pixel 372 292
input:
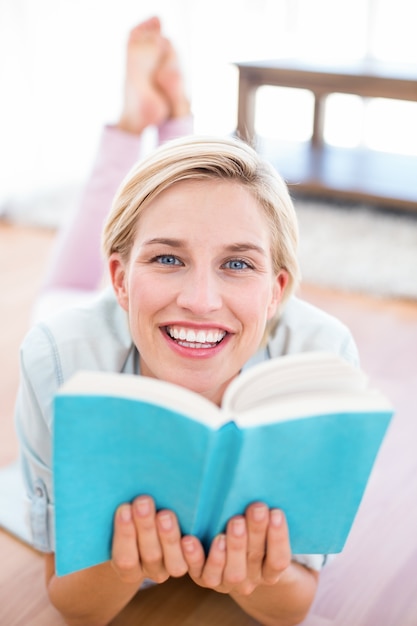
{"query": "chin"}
pixel 204 385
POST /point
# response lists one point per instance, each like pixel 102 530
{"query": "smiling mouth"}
pixel 190 338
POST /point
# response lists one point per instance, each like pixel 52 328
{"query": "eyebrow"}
pixel 243 246
pixel 173 243
pixel 246 246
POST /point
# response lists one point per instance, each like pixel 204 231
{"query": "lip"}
pixel 197 325
pixel 196 353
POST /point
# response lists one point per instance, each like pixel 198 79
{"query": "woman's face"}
pixel 199 285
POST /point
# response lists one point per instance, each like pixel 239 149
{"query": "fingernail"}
pixel 165 521
pixel 276 518
pixel 259 513
pixel 142 506
pixel 126 513
pixel 238 527
pixel 221 543
pixel 188 544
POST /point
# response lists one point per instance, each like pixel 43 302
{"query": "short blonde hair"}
pixel 202 158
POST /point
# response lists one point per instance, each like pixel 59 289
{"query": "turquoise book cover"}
pixel 108 450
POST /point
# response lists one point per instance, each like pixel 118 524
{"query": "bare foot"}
pixel 144 103
pixel 169 79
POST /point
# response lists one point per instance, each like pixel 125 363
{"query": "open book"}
pixel 298 432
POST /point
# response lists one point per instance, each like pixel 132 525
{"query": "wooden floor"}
pixel 374 581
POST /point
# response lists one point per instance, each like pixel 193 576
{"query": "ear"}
pixel 118 276
pixel 278 289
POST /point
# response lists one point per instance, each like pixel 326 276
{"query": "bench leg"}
pixel 318 119
pixel 246 110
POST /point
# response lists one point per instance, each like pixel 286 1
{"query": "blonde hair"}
pixel 202 158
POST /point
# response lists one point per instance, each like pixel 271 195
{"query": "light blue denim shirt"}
pixel 97 337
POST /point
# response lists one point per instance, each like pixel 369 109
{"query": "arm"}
pixel 95 595
pixel 265 583
pixel 90 597
pixel 146 545
pixel 252 563
pixel 287 602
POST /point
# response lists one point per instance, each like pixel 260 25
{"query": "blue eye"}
pixel 167 259
pixel 237 264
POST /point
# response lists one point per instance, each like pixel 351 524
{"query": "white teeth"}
pixel 189 335
pixel 201 337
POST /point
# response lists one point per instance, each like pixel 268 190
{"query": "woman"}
pixel 201 245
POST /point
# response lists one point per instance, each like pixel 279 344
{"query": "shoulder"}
pixel 303 327
pixel 94 336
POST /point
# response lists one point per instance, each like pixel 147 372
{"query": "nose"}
pixel 200 291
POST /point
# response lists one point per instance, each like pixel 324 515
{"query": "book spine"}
pixel 221 462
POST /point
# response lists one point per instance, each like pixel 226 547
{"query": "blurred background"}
pixel 61 79
pixel 62 66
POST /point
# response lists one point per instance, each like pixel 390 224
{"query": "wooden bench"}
pixel 314 167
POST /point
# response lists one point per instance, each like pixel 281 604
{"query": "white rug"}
pixel 358 248
pixel 355 248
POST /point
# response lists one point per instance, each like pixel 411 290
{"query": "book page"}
pixel 292 374
pixel 313 404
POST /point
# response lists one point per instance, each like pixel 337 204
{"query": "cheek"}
pixel 145 298
pixel 255 307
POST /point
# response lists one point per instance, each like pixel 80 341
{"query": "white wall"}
pixel 61 68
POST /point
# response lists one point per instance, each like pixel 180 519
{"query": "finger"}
pixel 213 570
pixel 170 539
pixel 150 549
pixel 125 554
pixel 278 554
pixel 235 571
pixel 194 556
pixel 257 520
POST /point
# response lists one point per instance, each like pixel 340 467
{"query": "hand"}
pixel 146 544
pixel 254 551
